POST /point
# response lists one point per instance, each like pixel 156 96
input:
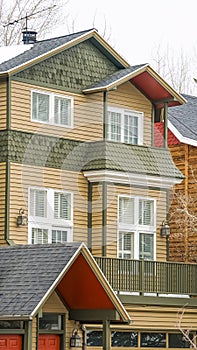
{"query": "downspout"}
pixel 104 184
pixel 90 216
pixel 186 156
pixel 153 126
pixel 105 103
pixel 104 217
pixel 165 125
pixel 7 188
pixel 167 218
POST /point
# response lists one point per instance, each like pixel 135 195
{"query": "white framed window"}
pixel 136 227
pixel 125 126
pixel 52 108
pixel 50 217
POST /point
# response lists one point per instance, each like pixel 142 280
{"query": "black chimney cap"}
pixel 29 36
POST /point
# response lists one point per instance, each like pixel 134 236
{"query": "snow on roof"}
pixel 8 52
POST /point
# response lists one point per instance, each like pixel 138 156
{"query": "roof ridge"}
pixel 67 35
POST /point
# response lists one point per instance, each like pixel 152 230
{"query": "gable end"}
pixel 73 69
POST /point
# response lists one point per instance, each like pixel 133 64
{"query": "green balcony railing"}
pixel 149 276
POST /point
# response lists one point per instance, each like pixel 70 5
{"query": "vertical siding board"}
pixel 2 201
pixel 3 104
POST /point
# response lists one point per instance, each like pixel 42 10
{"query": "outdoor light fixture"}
pixel 75 340
pixel 165 229
pixel 21 218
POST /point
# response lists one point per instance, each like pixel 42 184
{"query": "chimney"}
pixel 29 36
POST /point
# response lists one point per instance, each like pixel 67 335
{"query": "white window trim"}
pixel 52 96
pixel 49 222
pixel 138 114
pixel 136 228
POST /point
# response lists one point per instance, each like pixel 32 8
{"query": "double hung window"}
pixel 125 126
pixel 50 216
pixel 52 109
pixel 136 228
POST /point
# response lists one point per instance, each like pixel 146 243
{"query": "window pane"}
pixel 126 210
pixel 39 236
pixel 155 340
pixel 146 212
pixel 38 203
pixel 146 246
pixel 62 206
pixel 126 245
pixel 40 107
pixel 125 339
pixel 94 338
pixel 59 236
pixel 11 324
pixel 114 126
pixel 62 111
pixel 51 322
pixel 130 129
pixel 179 341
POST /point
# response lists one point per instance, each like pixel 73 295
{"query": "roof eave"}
pixel 116 82
pixel 169 88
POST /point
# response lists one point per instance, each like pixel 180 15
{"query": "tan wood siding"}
pixel 54 305
pixel 34 334
pixel 160 318
pixel 3 104
pixel 25 176
pixel 112 216
pixel 127 96
pixel 88 114
pixel 97 220
pixel 2 201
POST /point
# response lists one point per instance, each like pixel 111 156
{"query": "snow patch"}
pixel 8 52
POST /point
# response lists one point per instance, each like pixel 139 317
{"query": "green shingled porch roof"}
pixel 130 158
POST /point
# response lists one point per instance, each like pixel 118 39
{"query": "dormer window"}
pixel 125 126
pixel 52 109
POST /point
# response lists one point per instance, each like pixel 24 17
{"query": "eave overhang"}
pixel 96 39
pixel 146 80
pixel 160 182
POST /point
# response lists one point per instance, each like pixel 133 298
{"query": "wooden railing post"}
pixel 142 277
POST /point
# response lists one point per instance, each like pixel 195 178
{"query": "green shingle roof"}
pixel 130 158
pixel 59 153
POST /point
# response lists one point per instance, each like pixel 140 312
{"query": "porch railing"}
pixel 144 276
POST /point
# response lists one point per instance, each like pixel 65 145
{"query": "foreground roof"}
pixel 183 120
pixel 29 274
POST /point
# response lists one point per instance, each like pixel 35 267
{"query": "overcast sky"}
pixel 137 27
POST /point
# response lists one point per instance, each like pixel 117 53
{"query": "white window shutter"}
pixel 126 210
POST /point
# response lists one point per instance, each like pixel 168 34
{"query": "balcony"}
pixel 144 277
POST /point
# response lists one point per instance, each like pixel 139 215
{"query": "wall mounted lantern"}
pixel 21 218
pixel 75 340
pixel 165 229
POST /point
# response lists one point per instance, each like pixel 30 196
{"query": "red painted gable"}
pixel 158 136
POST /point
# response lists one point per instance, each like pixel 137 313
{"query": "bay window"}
pixel 50 216
pixel 125 126
pixel 52 108
pixel 136 228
